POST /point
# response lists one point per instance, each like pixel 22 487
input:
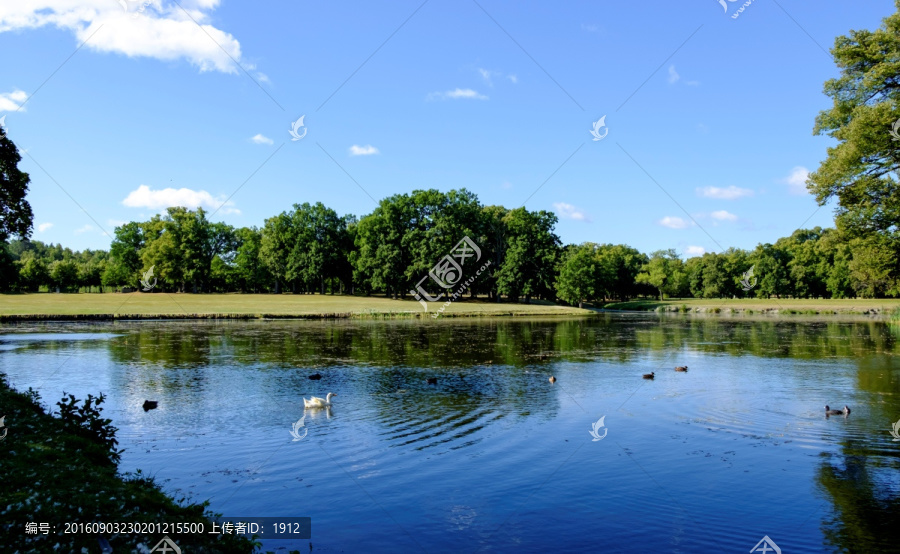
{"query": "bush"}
pixel 87 420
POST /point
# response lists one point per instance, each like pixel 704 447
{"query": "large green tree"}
pixel 15 211
pixel 861 171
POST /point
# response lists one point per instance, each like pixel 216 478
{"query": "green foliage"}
pixel 87 419
pixel 15 211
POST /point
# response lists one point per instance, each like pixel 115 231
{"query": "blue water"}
pixel 495 458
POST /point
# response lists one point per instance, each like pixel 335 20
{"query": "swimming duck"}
pixel 315 376
pixel 150 405
pixel 552 379
pixel 316 402
pixel 829 411
pixel 681 368
pixel 650 375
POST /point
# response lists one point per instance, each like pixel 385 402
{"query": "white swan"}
pixel 316 402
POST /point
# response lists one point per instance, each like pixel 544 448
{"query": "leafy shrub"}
pixel 88 420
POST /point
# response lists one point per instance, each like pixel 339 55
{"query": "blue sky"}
pixel 709 117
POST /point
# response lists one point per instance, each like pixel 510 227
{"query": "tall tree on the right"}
pixel 861 171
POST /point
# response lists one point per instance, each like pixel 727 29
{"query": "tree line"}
pixel 391 251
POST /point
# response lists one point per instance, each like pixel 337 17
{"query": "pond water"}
pixel 493 457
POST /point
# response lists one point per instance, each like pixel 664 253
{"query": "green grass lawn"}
pixel 761 305
pixel 43 305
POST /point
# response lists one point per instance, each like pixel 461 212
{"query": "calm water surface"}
pixel 494 458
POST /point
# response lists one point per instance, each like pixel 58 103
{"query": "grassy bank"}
pixel 165 305
pixel 57 471
pixel 780 306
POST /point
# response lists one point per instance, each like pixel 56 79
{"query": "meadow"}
pixel 180 305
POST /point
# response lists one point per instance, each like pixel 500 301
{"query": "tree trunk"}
pixel 580 304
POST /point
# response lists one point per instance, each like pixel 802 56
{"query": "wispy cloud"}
pixel 161 30
pixel 44 226
pixel 457 94
pixel 722 215
pixel 261 139
pixel 84 229
pixel 145 197
pixel 673 222
pixel 11 101
pixel 796 181
pixel 366 150
pixel 568 211
pixel 730 193
pixel 488 75
pixel 692 251
pixel 674 77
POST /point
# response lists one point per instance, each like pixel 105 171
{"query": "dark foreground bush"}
pixel 62 471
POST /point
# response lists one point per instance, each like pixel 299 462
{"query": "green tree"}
pixel 578 278
pixel 124 265
pixel 861 170
pixel 15 211
pixel 64 274
pixel 532 251
pixel 665 272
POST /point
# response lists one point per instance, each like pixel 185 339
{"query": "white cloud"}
pixel 84 229
pixel 723 215
pixel 11 101
pixel 44 226
pixel 590 28
pixel 730 193
pixel 115 222
pixel 674 222
pixel 366 150
pixel 465 93
pixel 487 75
pixel 261 139
pixel 145 197
pixel 692 251
pixel 507 185
pixel 568 211
pixel 160 29
pixel 673 75
pixel 796 181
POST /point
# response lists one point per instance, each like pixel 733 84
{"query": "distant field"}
pixel 48 305
pixel 773 305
